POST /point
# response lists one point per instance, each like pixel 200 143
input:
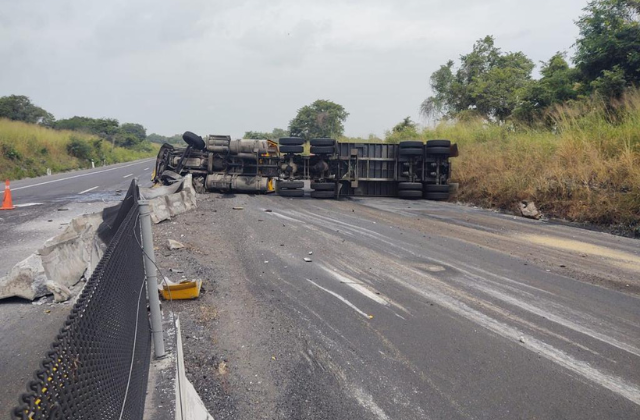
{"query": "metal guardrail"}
pixel 98 364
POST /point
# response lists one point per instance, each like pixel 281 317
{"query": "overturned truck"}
pixel 409 169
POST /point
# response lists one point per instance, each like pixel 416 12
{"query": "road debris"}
pixel 238 208
pixel 310 252
pixel 173 244
pixel 529 210
pixel 307 259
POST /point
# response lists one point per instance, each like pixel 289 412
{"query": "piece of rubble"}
pixel 60 293
pixel 307 259
pixel 529 210
pixel 172 244
pixel 238 208
pixel 310 252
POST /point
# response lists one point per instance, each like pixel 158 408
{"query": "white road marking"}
pixel 27 205
pixel 73 177
pixel 127 176
pixel 345 301
pixel 86 191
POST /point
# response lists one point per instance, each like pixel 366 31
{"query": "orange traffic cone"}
pixel 7 204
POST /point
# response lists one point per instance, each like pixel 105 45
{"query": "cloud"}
pixel 234 65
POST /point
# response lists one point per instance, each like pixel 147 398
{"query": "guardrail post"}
pixel 152 278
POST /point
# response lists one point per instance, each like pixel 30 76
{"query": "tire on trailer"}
pixel 438 143
pixel 291 141
pixel 436 196
pixel 410 151
pixel 193 140
pixel 291 193
pixel 438 151
pixel 429 188
pixel 411 144
pixel 415 186
pixel 409 194
pixel 291 149
pixel 322 150
pixel 322 142
pixel 290 185
pixel 323 194
pixel 323 186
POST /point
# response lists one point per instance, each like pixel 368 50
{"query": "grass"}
pixel 585 168
pixel 27 150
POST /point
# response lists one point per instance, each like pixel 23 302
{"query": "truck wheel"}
pixel 193 140
pixel 290 185
pixel 415 186
pixel 440 151
pixel 291 193
pixel 428 188
pixel 436 196
pixel 411 144
pixel 409 194
pixel 291 141
pixel 438 143
pixel 291 149
pixel 322 142
pixel 323 186
pixel 322 150
pixel 323 194
pixel 410 151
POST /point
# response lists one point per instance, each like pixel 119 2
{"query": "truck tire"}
pixel 291 193
pixel 291 149
pixel 323 194
pixel 410 144
pixel 410 151
pixel 290 185
pixel 291 141
pixel 428 188
pixel 438 143
pixel 415 186
pixel 323 186
pixel 322 150
pixel 409 194
pixel 193 140
pixel 438 151
pixel 436 196
pixel 323 142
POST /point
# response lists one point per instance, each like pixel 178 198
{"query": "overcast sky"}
pixel 228 66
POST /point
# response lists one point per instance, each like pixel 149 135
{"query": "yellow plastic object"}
pixel 181 291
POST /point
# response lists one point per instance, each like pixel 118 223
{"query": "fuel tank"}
pixel 239 183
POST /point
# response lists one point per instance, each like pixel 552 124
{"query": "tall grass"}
pixel 27 150
pixel 583 164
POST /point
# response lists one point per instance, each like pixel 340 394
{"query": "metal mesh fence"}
pixel 98 364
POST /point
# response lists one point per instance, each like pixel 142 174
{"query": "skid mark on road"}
pixel 342 299
pixel 441 297
pixel 356 285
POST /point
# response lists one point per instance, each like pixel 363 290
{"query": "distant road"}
pixel 45 205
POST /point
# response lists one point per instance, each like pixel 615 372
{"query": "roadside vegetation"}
pixel 32 140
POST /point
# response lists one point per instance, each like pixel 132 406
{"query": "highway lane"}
pixel 45 205
pixel 408 310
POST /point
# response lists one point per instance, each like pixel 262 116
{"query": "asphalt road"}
pixel 408 310
pixel 45 205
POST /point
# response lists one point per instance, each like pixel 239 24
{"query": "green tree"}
pixel 160 139
pixel 320 119
pixel 558 84
pixel 405 125
pixel 20 108
pixel 273 135
pixel 103 127
pixel 488 83
pixel 136 130
pixel 609 42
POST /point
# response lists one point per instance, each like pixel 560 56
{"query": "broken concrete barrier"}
pixel 529 210
pixel 169 201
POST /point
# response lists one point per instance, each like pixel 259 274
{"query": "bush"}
pixel 79 148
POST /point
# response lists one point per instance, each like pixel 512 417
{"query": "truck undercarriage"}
pixel 410 169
